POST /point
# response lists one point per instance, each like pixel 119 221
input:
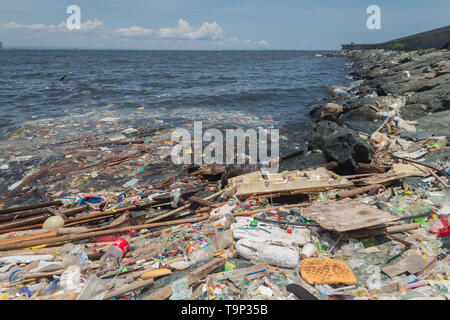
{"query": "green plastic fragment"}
pixel 420 221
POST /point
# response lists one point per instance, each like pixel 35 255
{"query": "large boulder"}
pixel 436 100
pixel 413 111
pixel 347 149
pixel 342 145
pixel 363 113
pixel 437 123
pixel 331 111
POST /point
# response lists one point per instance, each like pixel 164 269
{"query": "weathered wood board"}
pixel 346 215
pixel 288 182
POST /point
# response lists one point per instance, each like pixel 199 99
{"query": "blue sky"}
pixel 211 24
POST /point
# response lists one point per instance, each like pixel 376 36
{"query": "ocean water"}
pixel 279 85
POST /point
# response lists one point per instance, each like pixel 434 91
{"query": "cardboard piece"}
pixel 412 264
pixel 346 215
pixel 410 170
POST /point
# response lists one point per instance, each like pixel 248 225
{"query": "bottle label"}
pixel 122 244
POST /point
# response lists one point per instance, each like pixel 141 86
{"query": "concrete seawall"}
pixel 437 38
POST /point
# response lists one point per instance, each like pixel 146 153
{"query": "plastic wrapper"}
pixel 71 279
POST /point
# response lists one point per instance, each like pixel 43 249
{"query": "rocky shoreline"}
pixel 413 87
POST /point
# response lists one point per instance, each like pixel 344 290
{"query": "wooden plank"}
pixel 290 183
pixel 381 178
pixel 360 234
pixel 410 169
pixel 346 215
pixel 41 235
pixel 31 206
pixel 201 202
pixel 354 192
pixel 156 273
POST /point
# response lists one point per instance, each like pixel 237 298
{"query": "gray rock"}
pixel 436 100
pixel 437 156
pixel 413 111
pixel 347 149
pixel 311 160
pixel 363 113
pixel 367 127
pixel 331 112
pixel 322 130
pixel 437 123
pixel 342 145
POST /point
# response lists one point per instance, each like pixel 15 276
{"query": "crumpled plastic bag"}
pixel 380 141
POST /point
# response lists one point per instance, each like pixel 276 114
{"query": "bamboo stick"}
pixel 355 192
pixel 31 206
pixel 131 287
pixel 81 236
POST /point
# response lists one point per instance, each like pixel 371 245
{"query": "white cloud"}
pixel 94 33
pixel 134 31
pixel 247 43
pixel 87 26
pixel 184 31
pixel 91 25
pixel 15 25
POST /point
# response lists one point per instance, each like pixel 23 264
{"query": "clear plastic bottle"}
pixel 418 208
pixel 176 194
pixel 74 254
pixel 93 289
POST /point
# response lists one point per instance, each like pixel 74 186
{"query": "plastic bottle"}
pixel 176 197
pixel 93 289
pixel 351 249
pixel 203 253
pixel 419 208
pixel 308 251
pixel 117 250
pixel 15 274
pixel 73 254
pixel 224 239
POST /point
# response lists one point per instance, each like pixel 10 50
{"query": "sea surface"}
pixel 173 86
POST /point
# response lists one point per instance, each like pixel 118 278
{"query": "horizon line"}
pixel 134 49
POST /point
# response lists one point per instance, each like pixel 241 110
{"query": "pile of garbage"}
pixel 105 216
pixel 308 234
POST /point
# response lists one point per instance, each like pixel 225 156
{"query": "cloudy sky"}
pixel 211 24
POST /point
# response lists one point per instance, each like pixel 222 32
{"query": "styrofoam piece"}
pixel 271 252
